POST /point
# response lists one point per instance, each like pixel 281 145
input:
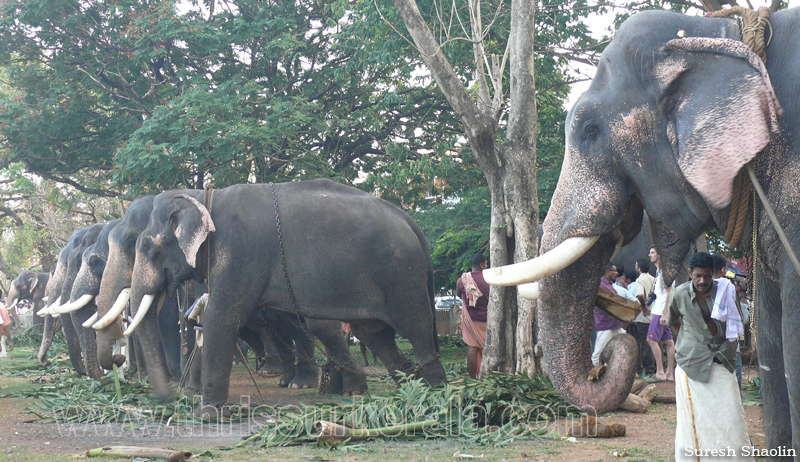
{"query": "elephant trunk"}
pixel 566 309
pixel 152 349
pixel 88 341
pixel 51 325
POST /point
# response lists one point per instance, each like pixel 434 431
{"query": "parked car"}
pixel 446 303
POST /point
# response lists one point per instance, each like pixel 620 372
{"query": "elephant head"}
pixel 166 255
pixel 87 282
pixel 28 286
pixel 112 298
pixel 665 126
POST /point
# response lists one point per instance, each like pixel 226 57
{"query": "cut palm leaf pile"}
pixel 493 411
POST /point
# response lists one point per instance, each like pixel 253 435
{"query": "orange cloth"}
pixel 473 332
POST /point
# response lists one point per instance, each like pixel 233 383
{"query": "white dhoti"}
pixel 711 423
pixel 600 341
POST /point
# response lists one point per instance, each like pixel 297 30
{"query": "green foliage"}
pixel 494 411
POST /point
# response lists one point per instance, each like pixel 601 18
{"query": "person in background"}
pixel 474 293
pixel 5 329
pixel 607 326
pixel 658 331
pixel 621 281
pixel 641 323
pixel 720 269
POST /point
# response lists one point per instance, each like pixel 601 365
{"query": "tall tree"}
pixel 509 165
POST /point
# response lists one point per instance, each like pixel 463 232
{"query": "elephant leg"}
pixel 220 334
pixel 51 326
pixel 790 326
pixel 195 380
pixel 73 343
pixel 285 346
pixel 306 369
pixel 777 420
pixel 152 352
pixel 381 342
pixel 421 333
pixel 271 362
pixel 168 330
pixel 88 341
pixel 353 379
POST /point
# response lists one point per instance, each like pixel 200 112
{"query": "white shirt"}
pixel 657 308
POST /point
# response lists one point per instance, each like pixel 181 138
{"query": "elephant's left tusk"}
pixel 529 290
pixel 14 305
pixel 147 300
pixel 552 262
pixel 74 306
pixel 90 321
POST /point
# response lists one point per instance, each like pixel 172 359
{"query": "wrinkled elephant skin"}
pixel 349 256
pixel 666 125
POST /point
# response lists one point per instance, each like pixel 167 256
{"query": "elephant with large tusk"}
pixel 678 113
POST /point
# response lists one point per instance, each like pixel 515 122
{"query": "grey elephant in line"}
pixel 666 126
pixel 53 295
pixel 88 348
pixel 348 256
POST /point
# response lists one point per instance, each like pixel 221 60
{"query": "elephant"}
pixel 28 286
pixel 678 109
pixel 88 347
pixel 111 298
pixel 53 295
pixel 316 249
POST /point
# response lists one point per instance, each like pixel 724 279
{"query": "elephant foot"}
pixel 432 372
pixel 270 365
pixel 306 376
pixel 212 413
pixel 331 381
pixel 287 377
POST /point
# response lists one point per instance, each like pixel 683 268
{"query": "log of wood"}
pixel 638 385
pixel 663 399
pixel 619 307
pixel 591 427
pixel 635 404
pixel 131 452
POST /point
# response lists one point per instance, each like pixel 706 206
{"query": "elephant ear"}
pixel 724 109
pixel 191 224
pixel 32 282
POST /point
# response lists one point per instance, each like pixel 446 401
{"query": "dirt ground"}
pixel 649 436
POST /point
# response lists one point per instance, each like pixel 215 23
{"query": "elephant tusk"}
pixel 529 290
pixel 74 306
pixel 14 305
pixel 115 311
pixel 147 300
pixel 45 299
pixel 49 308
pixel 90 321
pixel 542 266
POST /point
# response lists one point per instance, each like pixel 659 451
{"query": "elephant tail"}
pixel 431 294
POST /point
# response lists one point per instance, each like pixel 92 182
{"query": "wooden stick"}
pixel 244 358
pixel 130 452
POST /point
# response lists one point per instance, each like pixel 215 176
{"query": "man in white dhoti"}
pixel 711 422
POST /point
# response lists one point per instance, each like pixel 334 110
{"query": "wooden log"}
pixel 638 385
pixel 131 452
pixel 635 404
pixel 619 307
pixel 591 427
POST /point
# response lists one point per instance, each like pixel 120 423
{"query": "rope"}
pixel 754 24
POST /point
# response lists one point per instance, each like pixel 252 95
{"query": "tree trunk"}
pixel 510 171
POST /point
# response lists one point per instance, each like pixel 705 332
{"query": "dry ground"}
pixel 649 436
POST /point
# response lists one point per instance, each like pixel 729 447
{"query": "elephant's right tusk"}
pixel 115 311
pixel 529 290
pixel 49 308
pixel 88 323
pixel 74 306
pixel 552 262
pixel 14 305
pixel 147 300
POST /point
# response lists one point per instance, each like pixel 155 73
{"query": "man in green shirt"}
pixel 710 413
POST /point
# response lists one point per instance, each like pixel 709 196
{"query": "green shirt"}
pixel 693 348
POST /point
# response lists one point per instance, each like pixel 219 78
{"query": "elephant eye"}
pixel 591 132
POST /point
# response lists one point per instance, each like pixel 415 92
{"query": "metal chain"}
pixel 339 366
